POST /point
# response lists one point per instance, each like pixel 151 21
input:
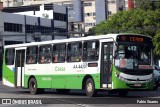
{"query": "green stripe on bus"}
pixel 8 74
pixel 62 81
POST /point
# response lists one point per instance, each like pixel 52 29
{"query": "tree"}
pixel 147 4
pixel 157 43
pixel 132 21
pixel 91 32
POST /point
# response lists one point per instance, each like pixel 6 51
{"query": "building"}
pixel 31 21
pixel 83 13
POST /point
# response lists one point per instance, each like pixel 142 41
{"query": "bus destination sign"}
pixel 133 38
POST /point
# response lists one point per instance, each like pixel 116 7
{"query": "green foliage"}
pixel 147 4
pixel 157 43
pixel 144 19
pixel 91 31
pixel 132 21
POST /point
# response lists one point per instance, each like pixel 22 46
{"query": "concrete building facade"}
pixel 87 12
pixel 30 23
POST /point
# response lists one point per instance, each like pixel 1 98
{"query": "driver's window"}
pixel 121 52
pixel 145 54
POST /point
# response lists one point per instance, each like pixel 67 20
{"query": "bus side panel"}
pixel 58 81
pixel 26 79
pixel 43 81
pixel 74 81
pixel 8 75
pixel 97 81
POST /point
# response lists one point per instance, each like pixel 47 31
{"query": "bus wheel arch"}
pixel 89 86
pixel 84 80
pixel 33 86
pixel 29 79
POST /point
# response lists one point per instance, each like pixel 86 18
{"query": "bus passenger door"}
pixel 19 68
pixel 106 62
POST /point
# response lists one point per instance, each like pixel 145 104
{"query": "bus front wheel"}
pixel 33 87
pixel 90 87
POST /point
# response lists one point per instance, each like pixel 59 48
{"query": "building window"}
pixel 60 16
pixel 12 27
pixel 45 54
pixel 87 14
pixel 87 4
pixel 10 56
pixel 94 14
pixel 31 28
pixel 45 30
pixel 74 52
pixel 31 55
pixel 12 42
pixel 59 53
pixel 36 28
pixel 109 12
pixel 90 50
pixel 90 24
pixel 59 30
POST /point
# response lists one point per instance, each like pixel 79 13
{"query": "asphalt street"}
pixel 78 98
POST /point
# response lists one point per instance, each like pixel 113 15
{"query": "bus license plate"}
pixel 137 85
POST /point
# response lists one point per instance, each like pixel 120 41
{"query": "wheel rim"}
pixel 89 87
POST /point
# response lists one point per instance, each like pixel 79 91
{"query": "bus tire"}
pixel 33 86
pixel 90 88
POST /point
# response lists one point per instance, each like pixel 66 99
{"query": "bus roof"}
pixel 107 36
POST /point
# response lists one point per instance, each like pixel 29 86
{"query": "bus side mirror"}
pixel 115 54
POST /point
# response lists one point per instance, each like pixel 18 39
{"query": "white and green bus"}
pixel 117 62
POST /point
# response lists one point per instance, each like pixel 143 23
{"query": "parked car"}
pixel 156 74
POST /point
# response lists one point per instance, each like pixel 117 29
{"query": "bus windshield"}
pixel 131 56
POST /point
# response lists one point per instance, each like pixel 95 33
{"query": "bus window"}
pixel 145 55
pixel 45 54
pixel 74 52
pixel 59 52
pixel 90 50
pixel 10 56
pixel 32 55
pixel 130 56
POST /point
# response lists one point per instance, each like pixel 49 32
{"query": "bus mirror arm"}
pixel 115 49
pixel 115 55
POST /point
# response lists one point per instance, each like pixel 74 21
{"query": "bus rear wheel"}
pixel 90 88
pixel 33 87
